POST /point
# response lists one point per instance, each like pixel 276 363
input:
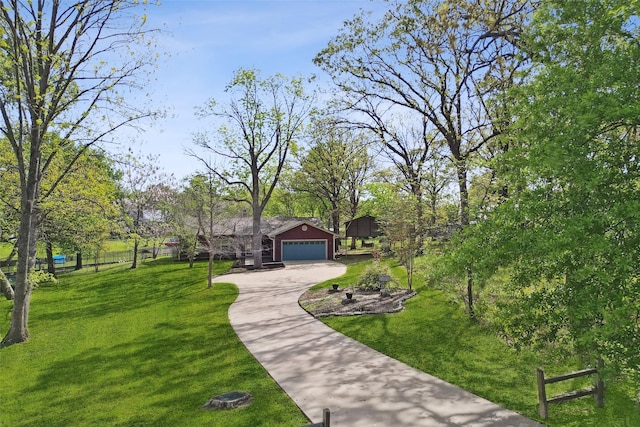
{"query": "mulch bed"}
pixel 326 302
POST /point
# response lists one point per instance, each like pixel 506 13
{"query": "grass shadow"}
pixel 106 352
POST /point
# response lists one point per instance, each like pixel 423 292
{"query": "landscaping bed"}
pixel 327 302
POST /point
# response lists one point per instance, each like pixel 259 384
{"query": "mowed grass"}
pixel 108 246
pixel 434 335
pixel 134 347
pixel 5 250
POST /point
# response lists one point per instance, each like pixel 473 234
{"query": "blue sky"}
pixel 207 40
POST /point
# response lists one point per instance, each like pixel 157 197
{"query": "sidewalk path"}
pixel 321 368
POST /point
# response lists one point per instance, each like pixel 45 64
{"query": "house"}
pixel 283 239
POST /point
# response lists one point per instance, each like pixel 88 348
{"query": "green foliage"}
pixel 401 223
pixel 333 169
pixel 257 128
pixel 256 131
pixel 80 213
pixel 136 347
pixel 60 80
pixel 5 250
pixel 370 278
pixel 434 335
pixel 568 235
pixel 40 277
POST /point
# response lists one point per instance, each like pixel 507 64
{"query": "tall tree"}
pixel 202 218
pixel 398 222
pixel 184 214
pixel 81 211
pixel 437 61
pixel 439 178
pixel 570 234
pixel 333 166
pixel 360 171
pixel 60 73
pixel 144 189
pixel 261 124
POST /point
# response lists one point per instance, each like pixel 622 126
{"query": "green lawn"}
pixel 5 250
pixel 134 347
pixel 112 252
pixel 109 246
pixel 434 335
pixel 150 346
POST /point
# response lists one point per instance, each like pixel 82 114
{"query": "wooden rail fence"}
pixel 597 390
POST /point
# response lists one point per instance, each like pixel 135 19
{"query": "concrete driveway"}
pixel 321 368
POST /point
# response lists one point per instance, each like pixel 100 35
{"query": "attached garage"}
pixel 302 241
pixel 296 250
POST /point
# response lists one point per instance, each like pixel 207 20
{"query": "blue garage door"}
pixel 299 251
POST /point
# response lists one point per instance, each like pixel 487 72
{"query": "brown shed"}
pixel 363 227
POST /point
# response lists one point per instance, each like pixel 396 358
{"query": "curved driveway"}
pixel 321 368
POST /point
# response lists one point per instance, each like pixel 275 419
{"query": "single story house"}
pixel 283 239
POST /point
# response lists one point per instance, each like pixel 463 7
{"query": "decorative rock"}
pixel 232 399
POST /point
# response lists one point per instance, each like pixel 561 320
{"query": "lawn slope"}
pixel 434 335
pixel 134 347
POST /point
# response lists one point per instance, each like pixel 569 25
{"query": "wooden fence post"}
pixel 599 385
pixel 542 395
pixel 597 391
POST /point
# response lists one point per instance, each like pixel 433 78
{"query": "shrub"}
pixel 40 277
pixel 369 280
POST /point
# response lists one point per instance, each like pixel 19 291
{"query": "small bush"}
pixel 369 280
pixel 40 277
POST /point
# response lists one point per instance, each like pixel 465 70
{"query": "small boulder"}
pixel 232 399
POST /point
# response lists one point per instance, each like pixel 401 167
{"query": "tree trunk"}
pixel 461 170
pixel 472 312
pixel 78 261
pixel 433 205
pixel 410 269
pixel 353 242
pixel 210 271
pixel 335 218
pixel 5 286
pixel 136 243
pixel 420 228
pixel 156 249
pixel 192 253
pixel 257 240
pixel 51 268
pixel 27 235
pixel 96 260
